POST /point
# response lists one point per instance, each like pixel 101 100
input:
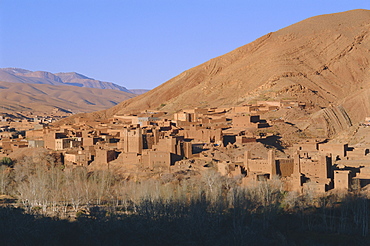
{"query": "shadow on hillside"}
pixel 273 141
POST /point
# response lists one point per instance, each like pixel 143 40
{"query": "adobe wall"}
pixel 89 141
pixel 182 117
pixel 335 149
pixel 49 140
pixel 159 160
pixel 35 143
pixel 62 143
pixel 34 134
pixel 316 168
pixel 204 135
pixel 132 140
pixel 69 158
pixel 313 187
pixel 245 121
pixel 244 139
pixel 358 153
pixel 130 158
pixel 312 146
pixel 261 165
pixel 293 183
pixel 285 167
pixel 235 169
pixel 188 149
pixel 166 145
pixel 341 179
pixel 111 155
pixel 103 156
pixel 196 110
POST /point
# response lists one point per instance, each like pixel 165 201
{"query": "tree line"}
pixel 174 210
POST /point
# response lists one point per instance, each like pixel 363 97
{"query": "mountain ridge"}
pixel 44 98
pixel 322 61
pixel 207 74
pixel 18 75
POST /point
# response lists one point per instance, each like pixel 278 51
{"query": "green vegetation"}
pixel 6 161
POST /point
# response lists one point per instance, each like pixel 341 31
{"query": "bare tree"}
pixel 5 179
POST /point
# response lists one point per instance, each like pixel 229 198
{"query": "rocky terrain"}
pixel 322 61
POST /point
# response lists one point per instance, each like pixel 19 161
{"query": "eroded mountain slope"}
pixel 322 60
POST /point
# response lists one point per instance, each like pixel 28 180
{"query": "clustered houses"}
pixel 18 123
pixel 316 167
pixel 150 142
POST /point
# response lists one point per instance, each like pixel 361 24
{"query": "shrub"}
pixel 6 161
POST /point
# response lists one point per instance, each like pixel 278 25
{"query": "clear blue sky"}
pixel 141 43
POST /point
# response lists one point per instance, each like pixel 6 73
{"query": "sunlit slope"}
pixel 41 97
pixel 323 60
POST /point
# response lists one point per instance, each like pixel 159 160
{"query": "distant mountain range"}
pixel 40 91
pixel 45 97
pixel 18 75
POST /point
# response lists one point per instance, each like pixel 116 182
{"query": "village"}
pixel 152 144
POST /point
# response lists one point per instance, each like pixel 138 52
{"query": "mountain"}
pixel 17 75
pixel 139 91
pixel 46 97
pixel 323 61
pixel 83 81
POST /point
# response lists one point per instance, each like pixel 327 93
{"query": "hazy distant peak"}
pixel 13 70
pixel 43 74
pixel 18 75
pixel 71 75
pixel 138 91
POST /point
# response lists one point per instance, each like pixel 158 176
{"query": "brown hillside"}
pixel 43 98
pixel 322 60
